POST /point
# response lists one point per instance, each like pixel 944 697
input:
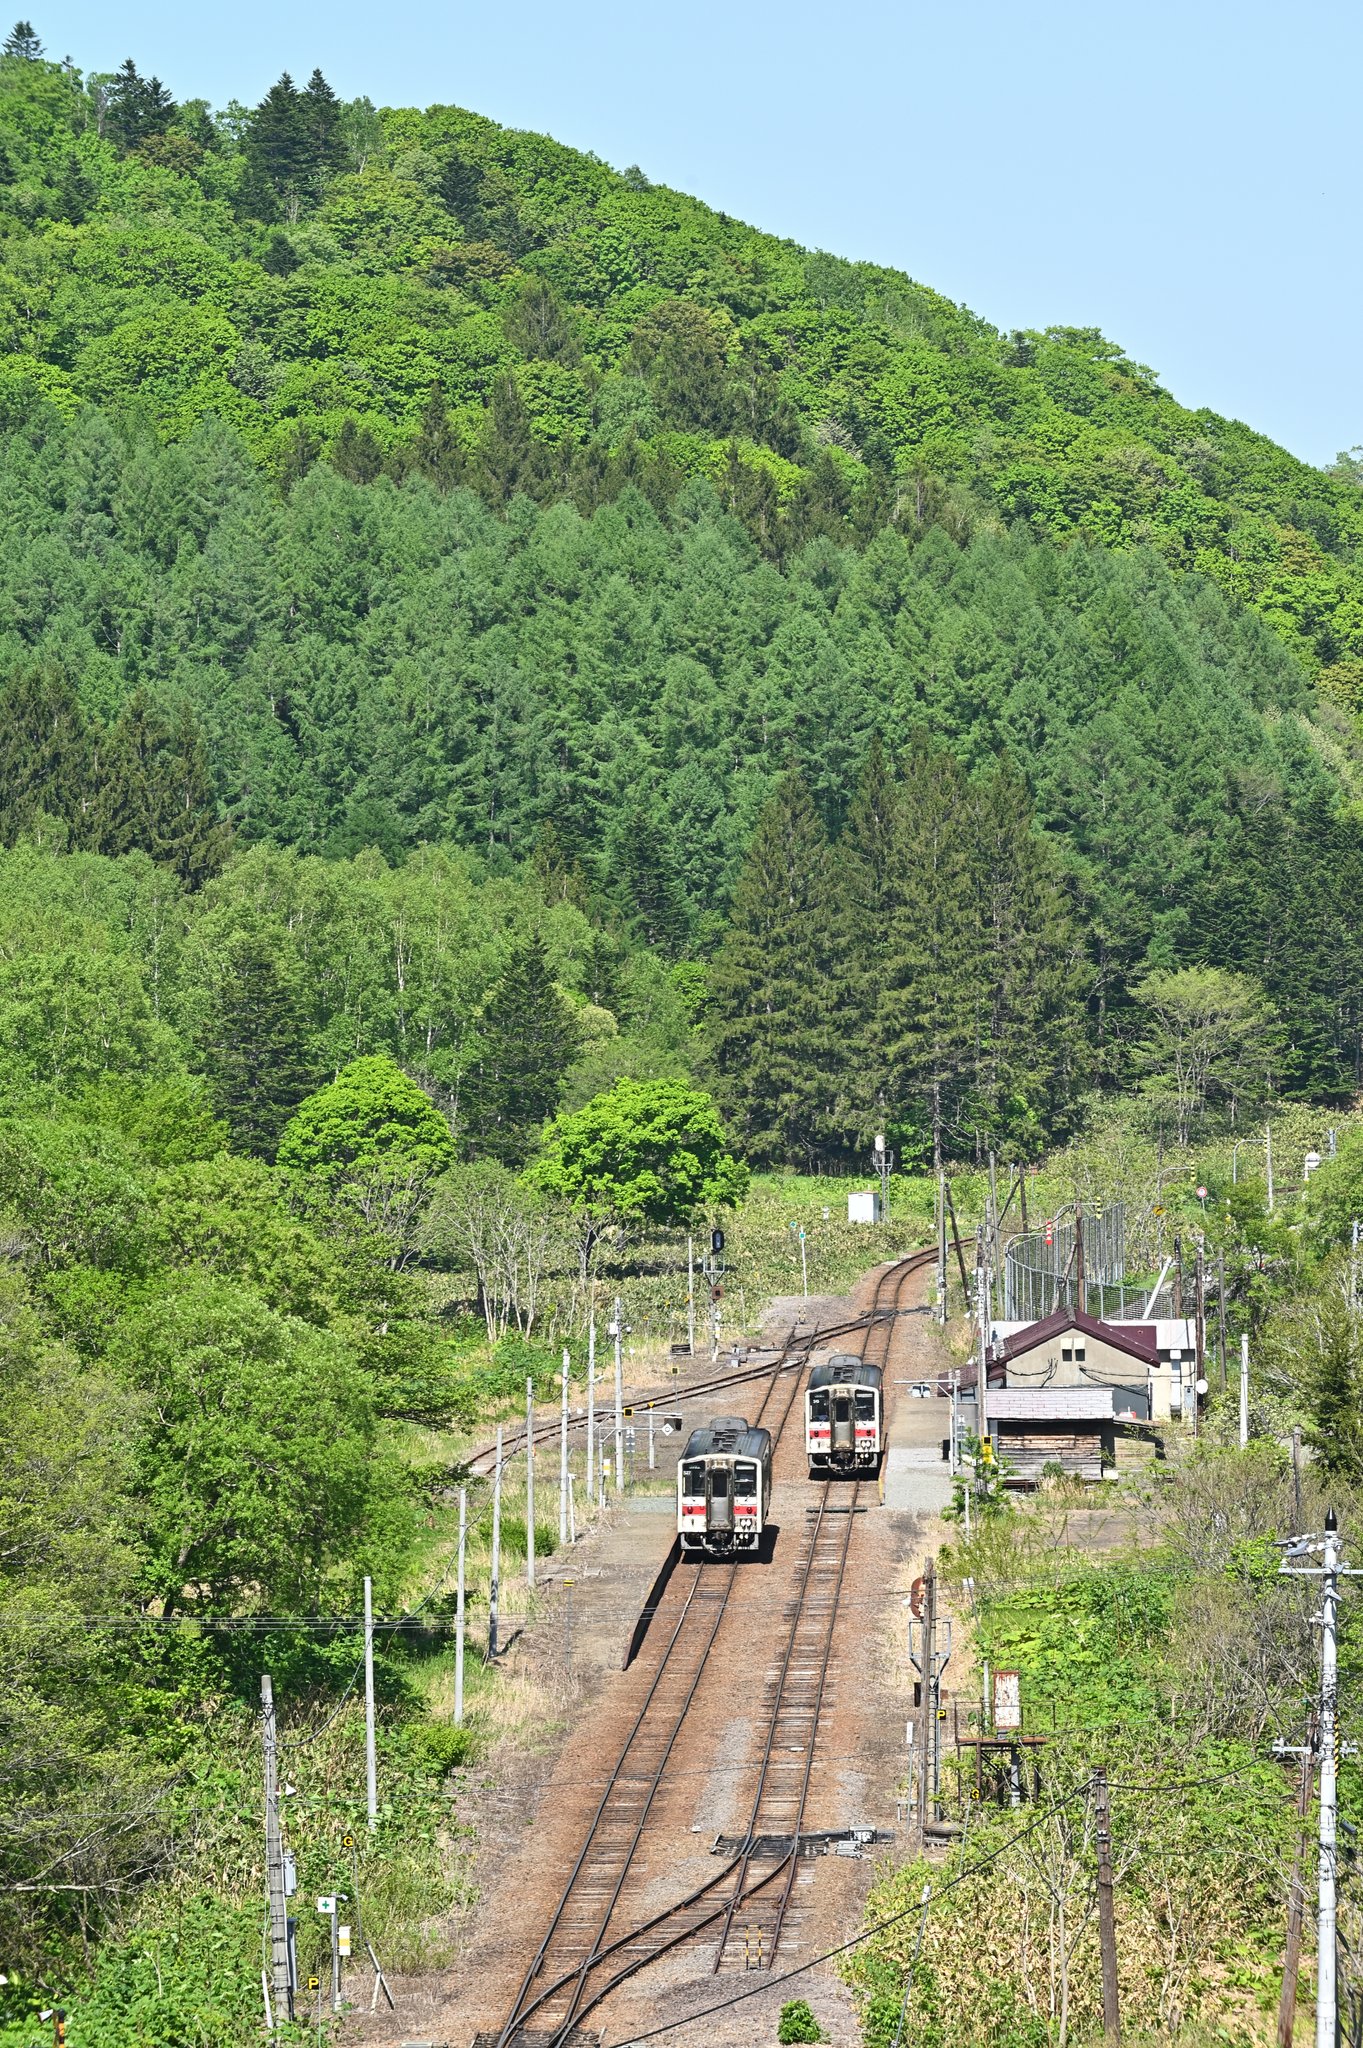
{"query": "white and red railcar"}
pixel 844 1416
pixel 724 1488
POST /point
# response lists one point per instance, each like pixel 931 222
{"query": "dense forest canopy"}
pixel 376 479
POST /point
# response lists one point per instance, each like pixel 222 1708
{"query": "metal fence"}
pixel 1039 1278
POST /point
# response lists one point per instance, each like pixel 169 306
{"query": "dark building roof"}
pixel 1136 1340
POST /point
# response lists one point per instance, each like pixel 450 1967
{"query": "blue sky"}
pixel 1183 176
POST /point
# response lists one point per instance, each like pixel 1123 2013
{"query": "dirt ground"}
pixel 530 1809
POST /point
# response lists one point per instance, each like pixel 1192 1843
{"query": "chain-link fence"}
pixel 1040 1276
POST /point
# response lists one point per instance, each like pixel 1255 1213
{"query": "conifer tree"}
pixel 23 42
pixel 155 793
pixel 46 753
pixel 1027 973
pixel 75 190
pixel 138 107
pixel 527 1039
pixel 437 452
pixel 253 1040
pixel 322 121
pixel 646 881
pixel 355 454
pixel 461 185
pixel 280 150
pixel 867 902
pixel 927 1006
pixel 776 1038
pixel 280 259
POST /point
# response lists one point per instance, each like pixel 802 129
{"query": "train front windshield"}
pixel 818 1405
pixel 693 1479
pixel 866 1406
pixel 745 1482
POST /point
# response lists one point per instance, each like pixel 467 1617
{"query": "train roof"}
pixel 845 1369
pixel 728 1436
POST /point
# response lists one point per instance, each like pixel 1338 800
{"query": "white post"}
pixel 1268 1163
pixel 982 1392
pixel 530 1483
pixel 690 1294
pixel 652 1455
pixel 1244 1392
pixel 459 1610
pixel 591 1406
pixel 1329 1764
pixel 563 1457
pixel 371 1767
pixel 572 1512
pixel 494 1586
pixel 618 1332
pixel 804 1263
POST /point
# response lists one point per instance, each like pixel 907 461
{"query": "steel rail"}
pixel 788 1357
pixel 679 1917
pixel 526 2006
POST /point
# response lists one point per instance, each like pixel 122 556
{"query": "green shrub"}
pixel 443 1747
pixel 798 2022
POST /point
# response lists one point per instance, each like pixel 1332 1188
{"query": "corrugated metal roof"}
pixel 1051 1404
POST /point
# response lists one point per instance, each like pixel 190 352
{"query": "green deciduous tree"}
pixel 369 1144
pixel 1208 1032
pixel 647 1152
pixel 257 1465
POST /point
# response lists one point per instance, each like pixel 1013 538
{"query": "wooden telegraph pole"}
pixel 1107 1920
pixel 1287 2003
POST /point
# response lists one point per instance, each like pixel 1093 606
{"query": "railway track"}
pixel 792 1354
pixel 582 1959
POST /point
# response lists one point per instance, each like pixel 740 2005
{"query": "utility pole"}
pixel 274 1860
pixel 459 1610
pixel 804 1264
pixel 1244 1392
pixel 1268 1163
pixel 690 1304
pixel 941 1247
pixel 1326 1902
pixel 563 1457
pixel 927 1719
pixel 618 1333
pixel 994 1231
pixel 982 1389
pixel 591 1403
pixel 371 1766
pixel 1221 1311
pixel 1107 1919
pixel 530 1483
pixel 1329 1571
pixel 1296 1907
pixel 494 1584
pixel 1200 1323
pixel 1296 1472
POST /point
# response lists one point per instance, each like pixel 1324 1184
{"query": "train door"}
pixel 844 1441
pixel 868 1434
pixel 720 1519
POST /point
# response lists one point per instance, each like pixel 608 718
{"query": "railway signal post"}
pixel 617 1333
pixel 494 1583
pixel 530 1483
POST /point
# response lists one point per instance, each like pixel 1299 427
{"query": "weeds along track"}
pixel 582 1958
